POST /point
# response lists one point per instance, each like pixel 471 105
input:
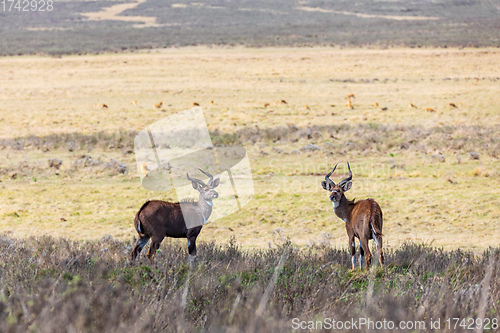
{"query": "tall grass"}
pixel 57 285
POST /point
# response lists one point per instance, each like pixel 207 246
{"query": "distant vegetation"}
pixel 251 23
pixel 363 138
pixel 56 285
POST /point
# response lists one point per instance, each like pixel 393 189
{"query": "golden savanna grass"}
pixel 448 203
pixel 50 95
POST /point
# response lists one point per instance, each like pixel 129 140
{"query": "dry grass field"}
pixel 402 155
pixel 59 285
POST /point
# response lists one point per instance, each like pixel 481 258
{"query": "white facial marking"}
pixel 335 204
pixel 209 202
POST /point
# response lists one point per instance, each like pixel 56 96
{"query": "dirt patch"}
pixel 387 17
pixel 48 29
pixel 113 13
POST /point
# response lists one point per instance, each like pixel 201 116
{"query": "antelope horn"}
pixel 209 175
pixel 348 178
pixel 195 180
pixel 327 177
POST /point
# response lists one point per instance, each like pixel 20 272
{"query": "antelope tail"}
pixel 137 221
pixel 375 218
pixel 139 226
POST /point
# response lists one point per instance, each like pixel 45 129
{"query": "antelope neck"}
pixel 205 207
pixel 342 208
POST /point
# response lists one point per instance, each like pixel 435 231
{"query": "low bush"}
pixel 57 285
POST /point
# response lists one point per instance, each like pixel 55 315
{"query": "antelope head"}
pixel 337 190
pixel 207 191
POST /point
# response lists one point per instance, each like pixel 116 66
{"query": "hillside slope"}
pixel 97 26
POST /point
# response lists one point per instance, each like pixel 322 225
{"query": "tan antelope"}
pixel 158 105
pixel 144 169
pixel 453 105
pixel 350 96
pixel 134 102
pixel 411 105
pixel 196 104
pixel 430 110
pixel 349 104
pixel 102 106
pixel 363 219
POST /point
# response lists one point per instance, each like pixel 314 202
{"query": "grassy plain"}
pixel 52 108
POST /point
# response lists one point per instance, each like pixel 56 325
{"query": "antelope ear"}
pixel 196 186
pixel 326 185
pixel 216 182
pixel 347 186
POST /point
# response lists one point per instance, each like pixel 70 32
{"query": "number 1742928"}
pixel 26 5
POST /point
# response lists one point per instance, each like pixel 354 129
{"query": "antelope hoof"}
pixel 193 261
pixel 353 261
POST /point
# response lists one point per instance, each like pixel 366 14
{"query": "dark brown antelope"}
pixel 159 219
pixel 363 219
